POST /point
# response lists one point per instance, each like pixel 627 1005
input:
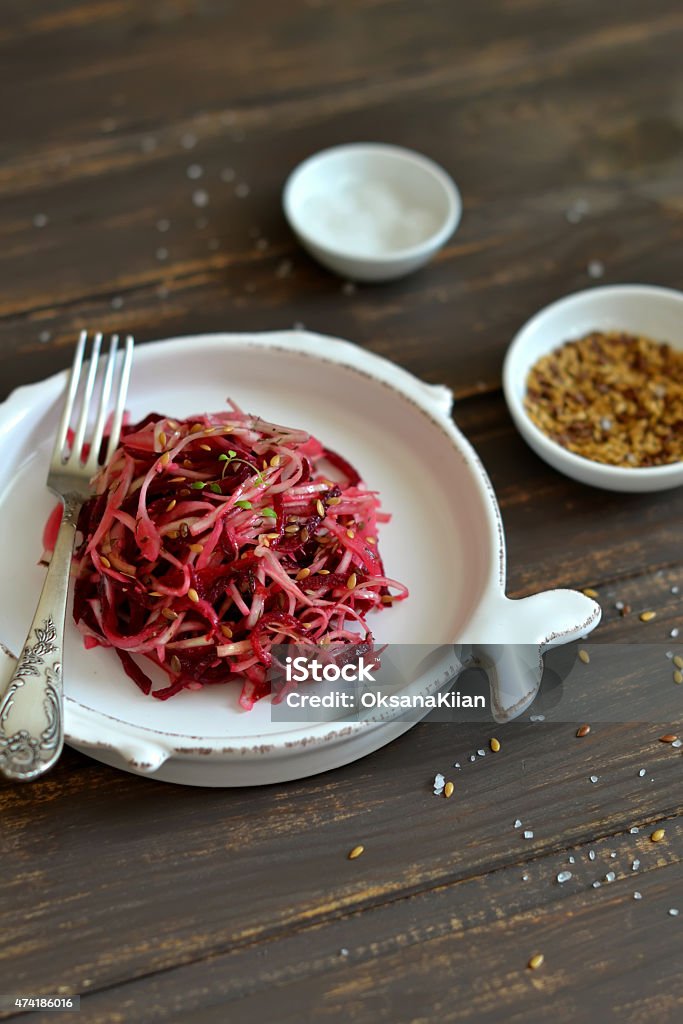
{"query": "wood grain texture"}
pixel 157 902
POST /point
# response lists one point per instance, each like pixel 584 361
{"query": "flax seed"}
pixel 303 574
pixel 583 730
pixel 494 744
pixel 162 439
pixel 536 961
pixel 320 508
pixel 677 660
pixel 657 835
pixel 448 790
pixel 352 581
pixel 171 505
pixel 169 614
pixel 355 852
pixel 678 676
pixel 584 656
pixel 226 631
pixel 105 561
pixel 165 459
pixel 193 595
pixel 647 616
pixel 196 549
pixel 589 592
pixel 669 738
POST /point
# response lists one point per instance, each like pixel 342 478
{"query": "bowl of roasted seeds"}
pixel 594 383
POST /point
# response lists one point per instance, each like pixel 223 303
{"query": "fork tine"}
pixel 98 432
pixel 72 390
pixel 79 436
pixel 120 399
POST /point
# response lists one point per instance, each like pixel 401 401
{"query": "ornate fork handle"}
pixel 31 716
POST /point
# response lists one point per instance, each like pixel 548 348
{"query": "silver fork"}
pixel 31 709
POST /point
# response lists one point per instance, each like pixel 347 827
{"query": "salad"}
pixel 210 540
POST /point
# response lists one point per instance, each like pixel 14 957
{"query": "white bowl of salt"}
pixel 371 212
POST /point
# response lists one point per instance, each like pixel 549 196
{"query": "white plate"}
pixel 444 542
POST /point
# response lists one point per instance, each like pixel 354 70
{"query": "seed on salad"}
pixel 226 631
pixel 371 540
pixel 303 535
pixel 352 581
pixel 275 461
pixel 175 664
pixel 657 835
pixel 448 789
pixel 583 730
pixel 171 505
pixel 323 572
pixel 165 459
pixel 350 534
pixel 169 614
pixel 334 501
pixel 647 616
pixel 206 447
pixel 197 548
pixel 678 677
pixel 669 737
pixel 177 479
pixel 303 574
pixel 193 595
pixel 162 439
pixel 355 852
pixel 589 592
pixel 584 656
pixel 291 529
pixel 387 599
pixel 677 660
pixel 494 744
pixel 320 508
pixel 196 428
pixel 536 961
pixel 105 561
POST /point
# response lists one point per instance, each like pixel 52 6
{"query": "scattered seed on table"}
pixel 678 661
pixel 583 730
pixel 536 961
pixel 355 852
pixel 647 616
pixel 669 737
pixel 448 790
pixel 637 895
pixel 584 656
pixel 589 592
pixel 678 677
pixel 657 835
pixel 494 744
pixel 564 876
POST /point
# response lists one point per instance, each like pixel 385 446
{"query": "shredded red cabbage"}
pixel 209 540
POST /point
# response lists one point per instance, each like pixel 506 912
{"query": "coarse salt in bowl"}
pixel 645 310
pixel 371 212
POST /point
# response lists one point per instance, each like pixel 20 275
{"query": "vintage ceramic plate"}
pixel 393 427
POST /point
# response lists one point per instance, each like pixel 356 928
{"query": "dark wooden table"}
pixel 157 902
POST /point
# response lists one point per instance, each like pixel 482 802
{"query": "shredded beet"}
pixel 209 540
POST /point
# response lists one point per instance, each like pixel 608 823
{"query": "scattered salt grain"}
pixel 637 895
pixel 525 878
pixel 610 876
pixel 596 268
pixel 457 764
pixel 518 822
pixel 188 140
pixel 675 589
pixel 673 911
pixel 162 253
pixel 44 337
pixel 613 855
pixel 163 224
pixel 641 773
pixel 439 781
pixel 242 190
pixel 472 757
pixel 591 854
pixel 39 220
pixel 537 718
pixel 116 302
pixel 596 884
pixel 634 830
pixel 343 951
pixel 674 632
pixel 571 859
pixel 200 197
pixel 482 753
pixel 635 865
pixel 594 778
pixel 528 834
pixel 564 876
pixel 677 743
pixel 619 605
pixel 576 211
pixel 194 171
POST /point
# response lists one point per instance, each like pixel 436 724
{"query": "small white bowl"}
pixel 371 212
pixel 656 313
